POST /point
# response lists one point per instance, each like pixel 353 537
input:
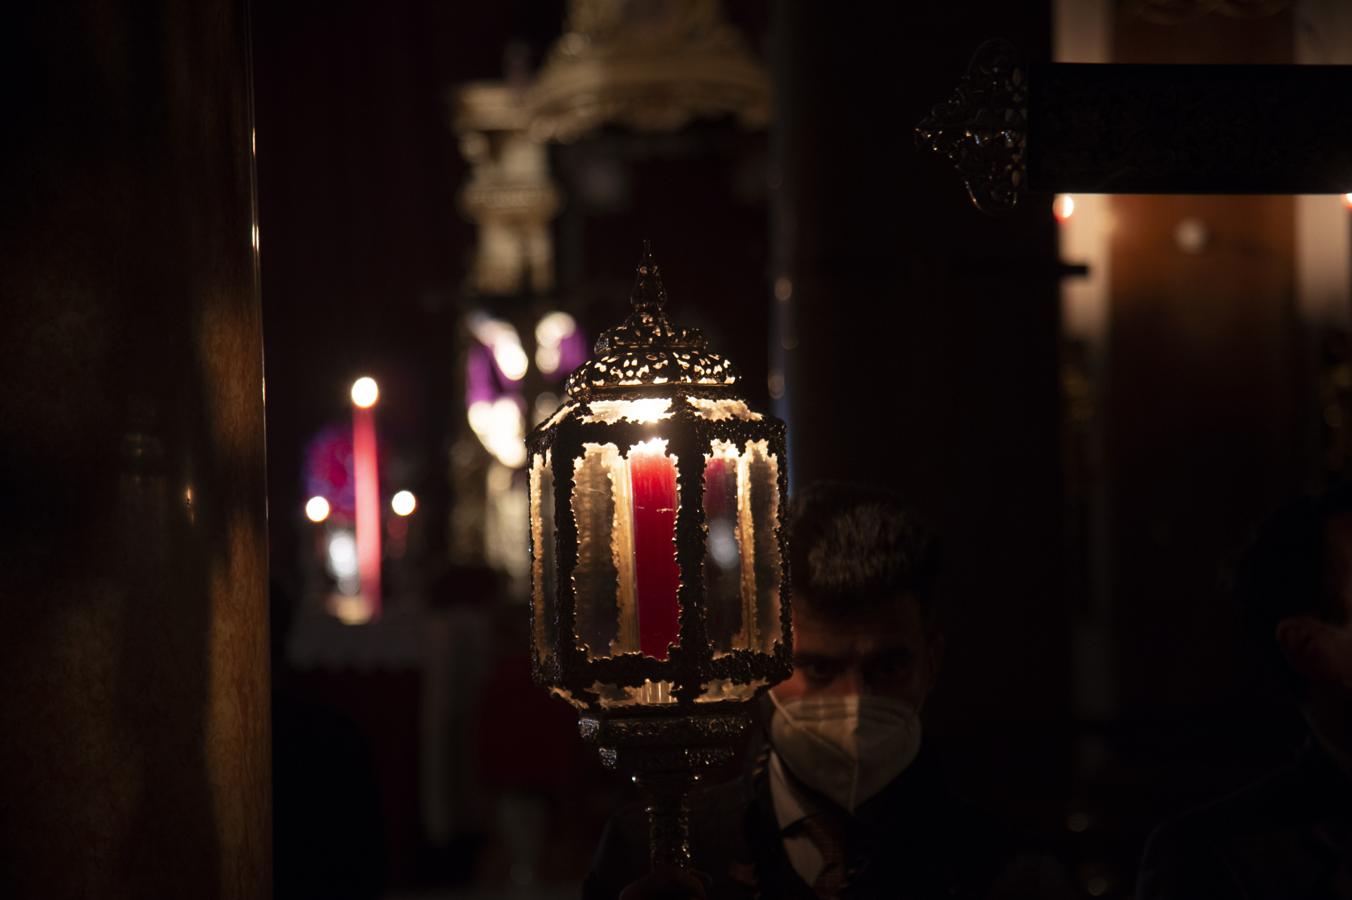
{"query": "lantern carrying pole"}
pixel 668 811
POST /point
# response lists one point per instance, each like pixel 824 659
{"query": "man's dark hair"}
pixel 1283 574
pixel 854 548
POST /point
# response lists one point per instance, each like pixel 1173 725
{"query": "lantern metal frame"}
pixel 665 745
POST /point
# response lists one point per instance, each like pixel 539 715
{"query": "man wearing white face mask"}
pixel 840 799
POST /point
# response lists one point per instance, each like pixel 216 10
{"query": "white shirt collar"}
pixel 791 804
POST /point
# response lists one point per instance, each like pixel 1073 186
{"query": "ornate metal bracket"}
pixel 667 757
pixel 1012 127
pixel 983 128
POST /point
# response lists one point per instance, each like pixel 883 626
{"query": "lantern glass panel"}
pixel 603 580
pixel 544 575
pixel 727 517
pixel 741 561
pixel 626 580
pixel 763 485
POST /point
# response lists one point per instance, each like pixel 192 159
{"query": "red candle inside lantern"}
pixel 656 576
pixel 716 473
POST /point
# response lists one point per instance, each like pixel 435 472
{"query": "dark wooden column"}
pixel 919 340
pixel 134 728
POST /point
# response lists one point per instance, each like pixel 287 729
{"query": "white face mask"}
pixel 847 748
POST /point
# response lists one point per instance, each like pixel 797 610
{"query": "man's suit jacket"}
pixel 912 840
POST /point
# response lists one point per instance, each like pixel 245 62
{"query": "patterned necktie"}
pixel 825 831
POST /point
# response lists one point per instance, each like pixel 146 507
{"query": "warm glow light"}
pixel 1347 200
pixel 511 359
pixel 504 343
pixel 316 509
pixel 501 428
pixel 548 357
pixel 652 447
pixel 723 544
pixel 403 503
pixel 343 555
pixel 351 610
pixel 549 335
pixel 545 404
pixel 365 392
pixel 1063 207
pixel 554 327
pixel 1192 235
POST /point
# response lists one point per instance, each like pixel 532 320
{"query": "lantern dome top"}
pixel 646 350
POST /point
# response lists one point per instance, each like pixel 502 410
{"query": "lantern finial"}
pixel 647 350
pixel 648 295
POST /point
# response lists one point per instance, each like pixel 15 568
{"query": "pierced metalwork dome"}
pixel 647 350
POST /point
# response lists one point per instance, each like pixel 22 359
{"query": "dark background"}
pixel 921 347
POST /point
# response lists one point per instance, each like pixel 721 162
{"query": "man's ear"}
pixel 934 659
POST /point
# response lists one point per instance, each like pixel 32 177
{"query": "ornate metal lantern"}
pixel 660 586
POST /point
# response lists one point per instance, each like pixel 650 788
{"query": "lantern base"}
pixel 666 757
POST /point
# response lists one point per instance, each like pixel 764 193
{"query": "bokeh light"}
pixel 403 503
pixel 317 509
pixel 365 392
pixel 1063 207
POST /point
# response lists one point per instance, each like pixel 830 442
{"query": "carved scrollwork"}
pixel 661 731
pixel 982 128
